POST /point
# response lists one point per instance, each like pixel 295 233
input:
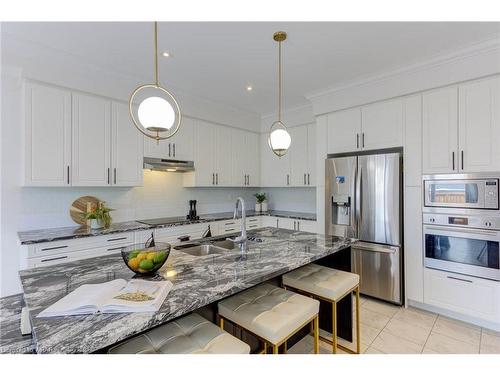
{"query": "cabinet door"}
pixel 413 140
pixel 126 148
pixel 439 131
pixel 414 262
pixel 181 144
pixel 382 125
pixel 253 159
pixel 239 157
pixel 275 171
pixel 205 153
pixel 286 223
pixel 298 156
pixel 154 149
pixel 344 131
pixel 223 176
pixel 48 135
pixel 479 126
pixel 91 141
pixel 306 226
pixel 311 154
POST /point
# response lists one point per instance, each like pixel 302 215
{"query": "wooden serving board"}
pixel 79 208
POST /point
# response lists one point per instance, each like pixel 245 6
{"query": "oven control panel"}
pixel 469 221
pixel 491 193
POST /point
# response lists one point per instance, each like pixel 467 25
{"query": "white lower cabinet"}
pixel 254 222
pixel 56 252
pixel 471 296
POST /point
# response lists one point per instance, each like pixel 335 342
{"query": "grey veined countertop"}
pixel 66 233
pixel 197 281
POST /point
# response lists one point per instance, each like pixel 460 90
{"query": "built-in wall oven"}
pixel 461 224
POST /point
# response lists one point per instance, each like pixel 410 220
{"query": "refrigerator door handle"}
pixel 375 248
pixel 358 198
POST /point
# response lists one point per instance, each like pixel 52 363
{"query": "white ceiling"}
pixel 218 60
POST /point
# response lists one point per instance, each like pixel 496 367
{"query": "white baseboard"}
pixel 454 315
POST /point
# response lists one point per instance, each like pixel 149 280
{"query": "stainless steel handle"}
pixel 54 248
pixel 452 160
pixel 363 140
pixel 115 248
pixel 248 179
pixel 231 223
pixel 114 177
pixel 277 225
pixel 108 176
pixel 67 177
pixel 116 239
pixel 217 179
pixel 445 229
pixel 459 279
pixel 462 158
pixel 169 149
pixel 357 140
pixel 174 149
pixel 308 179
pixel 358 197
pixel 288 179
pixel 294 225
pixel 298 225
pixel 305 178
pixel 213 178
pixel 375 248
pixel 51 259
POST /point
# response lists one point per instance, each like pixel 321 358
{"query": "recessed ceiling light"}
pixel 249 88
pixel 166 54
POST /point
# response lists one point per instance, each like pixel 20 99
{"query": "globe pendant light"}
pixel 158 111
pixel 279 139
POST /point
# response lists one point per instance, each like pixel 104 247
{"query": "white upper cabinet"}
pixel 275 171
pixel 413 140
pixel 126 148
pixel 479 126
pixel 91 140
pixel 299 167
pixel 311 154
pixel 344 131
pixel 253 159
pixel 440 131
pixel 223 167
pixel 48 135
pixel 181 144
pixel 382 125
pixel 239 157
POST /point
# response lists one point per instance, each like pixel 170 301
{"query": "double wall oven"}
pixel 461 224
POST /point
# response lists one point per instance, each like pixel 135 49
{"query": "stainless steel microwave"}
pixel 478 191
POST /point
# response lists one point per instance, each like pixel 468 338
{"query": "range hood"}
pixel 168 165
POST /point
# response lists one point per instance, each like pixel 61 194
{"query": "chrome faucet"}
pixel 242 239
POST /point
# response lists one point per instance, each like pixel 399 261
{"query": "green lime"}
pixel 146 264
pixel 160 257
pixel 133 254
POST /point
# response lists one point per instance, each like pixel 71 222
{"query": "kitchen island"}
pixel 197 281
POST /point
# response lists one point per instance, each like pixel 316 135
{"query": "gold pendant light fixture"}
pixel 279 139
pixel 158 111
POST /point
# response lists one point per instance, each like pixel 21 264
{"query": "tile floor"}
pixel 390 329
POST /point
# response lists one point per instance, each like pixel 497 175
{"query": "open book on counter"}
pixel 117 296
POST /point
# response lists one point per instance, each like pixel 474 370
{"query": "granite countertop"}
pixel 198 281
pixel 67 233
pixel 11 339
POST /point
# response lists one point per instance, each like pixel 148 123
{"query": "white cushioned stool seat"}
pixel 191 334
pixel 322 281
pixel 269 311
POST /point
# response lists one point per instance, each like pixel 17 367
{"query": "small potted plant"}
pixel 99 217
pixel 261 205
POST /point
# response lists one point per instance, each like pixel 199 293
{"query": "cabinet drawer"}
pixel 65 257
pixel 462 294
pixel 59 247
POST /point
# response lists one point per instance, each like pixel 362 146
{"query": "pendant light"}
pixel 158 111
pixel 279 139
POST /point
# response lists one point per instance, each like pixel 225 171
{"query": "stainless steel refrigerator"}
pixel 364 201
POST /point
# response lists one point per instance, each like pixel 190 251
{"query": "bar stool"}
pixel 329 285
pixel 271 313
pixel 191 334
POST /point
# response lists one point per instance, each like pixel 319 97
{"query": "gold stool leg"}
pixel 358 333
pixel 265 348
pixel 334 327
pixel 221 322
pixel 316 335
pixel 275 349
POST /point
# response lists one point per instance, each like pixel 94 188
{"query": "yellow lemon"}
pixel 141 256
pixel 134 263
pixel 150 256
